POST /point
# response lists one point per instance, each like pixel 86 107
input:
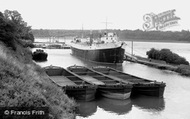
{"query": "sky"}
pixel 92 14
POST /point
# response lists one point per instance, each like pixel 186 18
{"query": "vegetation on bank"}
pixel 171 58
pixel 22 82
pixel 183 69
pixel 167 56
pixel 137 35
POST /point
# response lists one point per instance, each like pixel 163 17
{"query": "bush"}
pixel 166 55
pixel 184 70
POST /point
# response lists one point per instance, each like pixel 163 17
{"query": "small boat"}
pixel 53 46
pixel 56 46
pixel 72 84
pixel 140 85
pixel 107 86
pixel 39 55
pixel 66 46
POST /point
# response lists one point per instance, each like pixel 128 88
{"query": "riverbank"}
pixel 159 41
pixel 25 84
pixel 181 69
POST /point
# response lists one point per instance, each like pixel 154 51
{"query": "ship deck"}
pixel 86 46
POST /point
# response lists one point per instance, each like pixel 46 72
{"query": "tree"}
pixel 7 31
pixel 153 54
pixel 166 55
pixel 23 31
pixel 13 28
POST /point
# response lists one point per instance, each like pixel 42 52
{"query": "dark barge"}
pixel 140 85
pixel 73 85
pixel 106 86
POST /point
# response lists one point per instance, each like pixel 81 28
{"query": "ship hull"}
pixel 109 55
pixel 39 56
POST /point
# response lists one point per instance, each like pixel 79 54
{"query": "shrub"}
pixel 184 70
pixel 166 55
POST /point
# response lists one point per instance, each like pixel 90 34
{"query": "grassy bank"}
pixel 181 69
pixel 25 84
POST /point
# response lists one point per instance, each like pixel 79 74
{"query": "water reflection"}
pixel 86 109
pixel 149 103
pixel 115 106
pixel 118 107
pixel 121 107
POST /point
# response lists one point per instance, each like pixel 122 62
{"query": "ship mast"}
pixel 82 32
pixel 132 47
pixel 106 23
pixel 91 40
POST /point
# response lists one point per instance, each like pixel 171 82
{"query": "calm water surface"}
pixel 174 105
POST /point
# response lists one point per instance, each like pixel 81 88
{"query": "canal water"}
pixel 174 105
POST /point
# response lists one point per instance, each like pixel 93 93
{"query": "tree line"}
pixel 178 36
pixel 183 35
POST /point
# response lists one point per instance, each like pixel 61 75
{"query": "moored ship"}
pixel 73 85
pixel 106 49
pixel 39 55
pixel 106 86
pixel 140 85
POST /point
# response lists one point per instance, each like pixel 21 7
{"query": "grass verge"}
pixel 25 84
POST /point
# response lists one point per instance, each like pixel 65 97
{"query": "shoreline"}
pixel 160 41
pixel 129 40
pixel 183 70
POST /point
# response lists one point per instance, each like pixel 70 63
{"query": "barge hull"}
pixel 157 91
pixel 81 93
pixel 116 92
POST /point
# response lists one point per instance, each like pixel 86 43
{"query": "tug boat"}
pixel 39 55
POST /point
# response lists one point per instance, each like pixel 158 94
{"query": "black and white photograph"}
pixel 94 59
